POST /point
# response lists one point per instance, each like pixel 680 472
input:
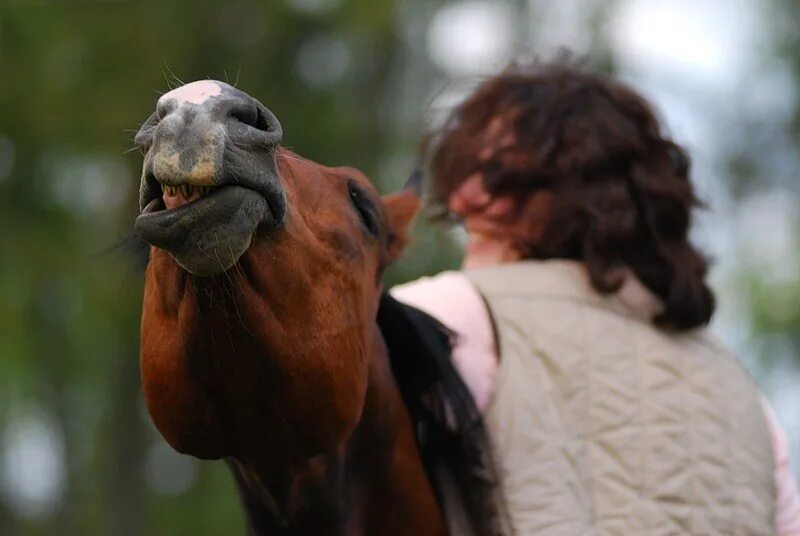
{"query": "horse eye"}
pixel 365 208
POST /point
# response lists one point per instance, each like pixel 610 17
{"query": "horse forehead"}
pixel 195 92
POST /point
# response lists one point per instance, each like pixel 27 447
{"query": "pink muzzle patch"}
pixel 194 92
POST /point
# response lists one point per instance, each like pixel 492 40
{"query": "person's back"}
pixel 581 319
pixel 603 425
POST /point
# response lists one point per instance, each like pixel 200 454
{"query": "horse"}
pixel 267 340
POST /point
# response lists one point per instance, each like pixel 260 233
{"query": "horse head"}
pixel 259 338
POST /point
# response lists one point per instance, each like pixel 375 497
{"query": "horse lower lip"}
pixel 198 212
pixel 208 235
pixel 153 206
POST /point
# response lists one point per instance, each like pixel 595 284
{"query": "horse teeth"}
pixel 187 190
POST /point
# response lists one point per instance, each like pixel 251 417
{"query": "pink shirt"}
pixel 454 301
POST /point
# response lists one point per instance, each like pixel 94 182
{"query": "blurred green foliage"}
pixel 76 79
pixel 79 77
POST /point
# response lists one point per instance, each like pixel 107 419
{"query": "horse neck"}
pixel 209 383
pixel 374 484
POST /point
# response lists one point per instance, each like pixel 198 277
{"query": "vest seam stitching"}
pixel 687 378
pixel 587 442
pixel 645 423
pixel 734 481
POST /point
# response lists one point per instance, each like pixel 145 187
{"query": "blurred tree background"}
pixel 353 82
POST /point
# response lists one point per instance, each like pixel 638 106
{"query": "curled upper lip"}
pixel 259 177
pixel 153 190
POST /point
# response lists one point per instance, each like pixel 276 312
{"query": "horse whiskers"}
pixel 215 257
pixel 230 336
pixel 167 80
pixel 232 295
pixel 131 149
pixel 215 359
pixel 209 290
pixel 237 271
pixel 290 157
pixel 174 76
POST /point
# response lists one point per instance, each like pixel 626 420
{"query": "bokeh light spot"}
pixel 472 37
pixel 89 185
pixel 33 463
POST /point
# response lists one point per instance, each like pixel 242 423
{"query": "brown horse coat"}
pixel 259 339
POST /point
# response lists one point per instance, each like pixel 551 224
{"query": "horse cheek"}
pixel 178 405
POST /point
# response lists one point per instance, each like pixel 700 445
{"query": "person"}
pixel 580 318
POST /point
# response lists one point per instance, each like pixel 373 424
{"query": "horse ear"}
pixel 401 208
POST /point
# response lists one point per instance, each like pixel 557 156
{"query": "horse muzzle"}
pixel 209 179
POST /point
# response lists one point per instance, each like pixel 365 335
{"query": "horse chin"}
pixel 207 236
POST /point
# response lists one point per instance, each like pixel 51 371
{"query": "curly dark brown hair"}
pixel 620 192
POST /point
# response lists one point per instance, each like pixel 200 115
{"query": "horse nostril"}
pixel 251 114
pixel 244 112
pixel 263 122
pixel 164 107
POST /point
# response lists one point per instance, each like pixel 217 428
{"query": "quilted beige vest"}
pixel 602 424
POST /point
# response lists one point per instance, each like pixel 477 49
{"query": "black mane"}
pixel 450 433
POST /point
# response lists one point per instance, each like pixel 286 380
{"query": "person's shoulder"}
pixel 451 298
pixel 441 283
pixel 445 296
